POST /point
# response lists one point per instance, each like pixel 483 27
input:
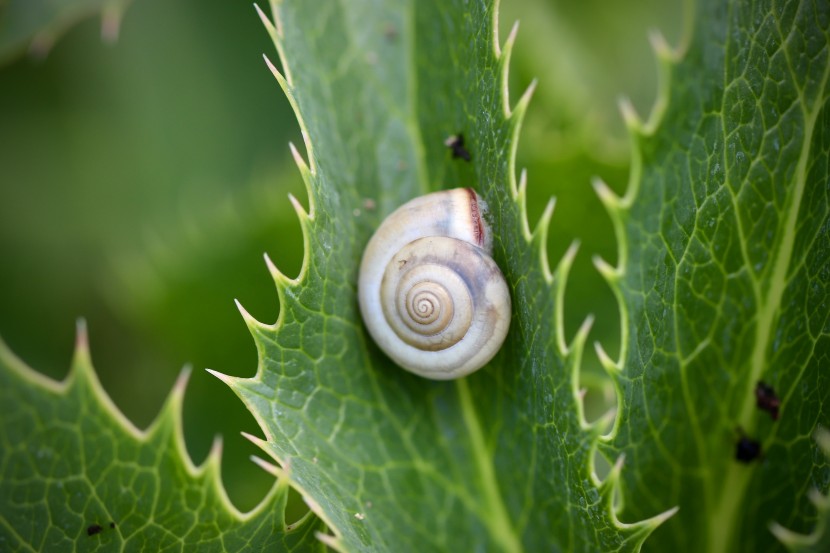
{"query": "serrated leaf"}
pixel 77 475
pixel 500 460
pixel 725 278
pixel 36 24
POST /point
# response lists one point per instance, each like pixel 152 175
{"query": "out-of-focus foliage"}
pixel 36 24
pixel 140 184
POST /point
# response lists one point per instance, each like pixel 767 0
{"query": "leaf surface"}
pixel 77 476
pixel 724 276
pixel 498 461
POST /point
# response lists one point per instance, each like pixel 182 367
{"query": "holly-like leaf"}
pixel 500 460
pixel 724 275
pixel 77 476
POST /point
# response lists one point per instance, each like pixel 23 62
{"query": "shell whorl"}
pixel 430 294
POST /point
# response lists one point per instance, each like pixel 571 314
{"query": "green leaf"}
pixel 501 460
pixel 77 475
pixel 37 24
pixel 724 275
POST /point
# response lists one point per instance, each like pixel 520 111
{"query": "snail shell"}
pixel 430 294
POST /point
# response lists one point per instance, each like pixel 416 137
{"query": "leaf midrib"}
pixel 722 520
pixel 499 526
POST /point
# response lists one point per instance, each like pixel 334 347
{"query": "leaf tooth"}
pixel 213 464
pixel 301 164
pixel 520 196
pixel 609 489
pixel 822 502
pixel 637 128
pixel 213 472
pixel 494 24
pixel 305 172
pixel 574 352
pixel 305 219
pixel 267 23
pixel 632 120
pixel 666 59
pixel 171 411
pixel 288 90
pixel 270 468
pixel 280 279
pixel 176 398
pixel 614 370
pixel 257 329
pixel 610 200
pixel 511 39
pixel 302 214
pixel 539 239
pixel 661 47
pixel 257 441
pixel 81 357
pixel 169 422
pixel 232 382
pixel 609 272
pixel 275 31
pixel 791 540
pixel 281 80
pixel 111 16
pixel 212 467
pixel 504 68
pixel 329 540
pixel 563 270
pixel 637 532
pixel 649 525
pixel 611 367
pixel 254 325
pixel 515 120
pixel 238 386
pixel 81 374
pixel 614 205
pixel 600 427
pixel 280 486
pixel 520 108
pixel 577 345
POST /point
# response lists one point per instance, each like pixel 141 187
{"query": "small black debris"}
pixel 112 525
pixel 93 529
pixel 767 400
pixel 456 144
pixel 747 450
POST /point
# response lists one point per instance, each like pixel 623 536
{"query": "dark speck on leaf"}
pixel 747 450
pixel 112 525
pixel 767 400
pixel 93 529
pixel 456 144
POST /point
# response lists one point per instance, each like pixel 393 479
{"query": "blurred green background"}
pixel 141 182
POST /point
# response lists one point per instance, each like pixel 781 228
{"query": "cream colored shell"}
pixel 430 294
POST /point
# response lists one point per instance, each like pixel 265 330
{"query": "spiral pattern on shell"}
pixel 430 294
